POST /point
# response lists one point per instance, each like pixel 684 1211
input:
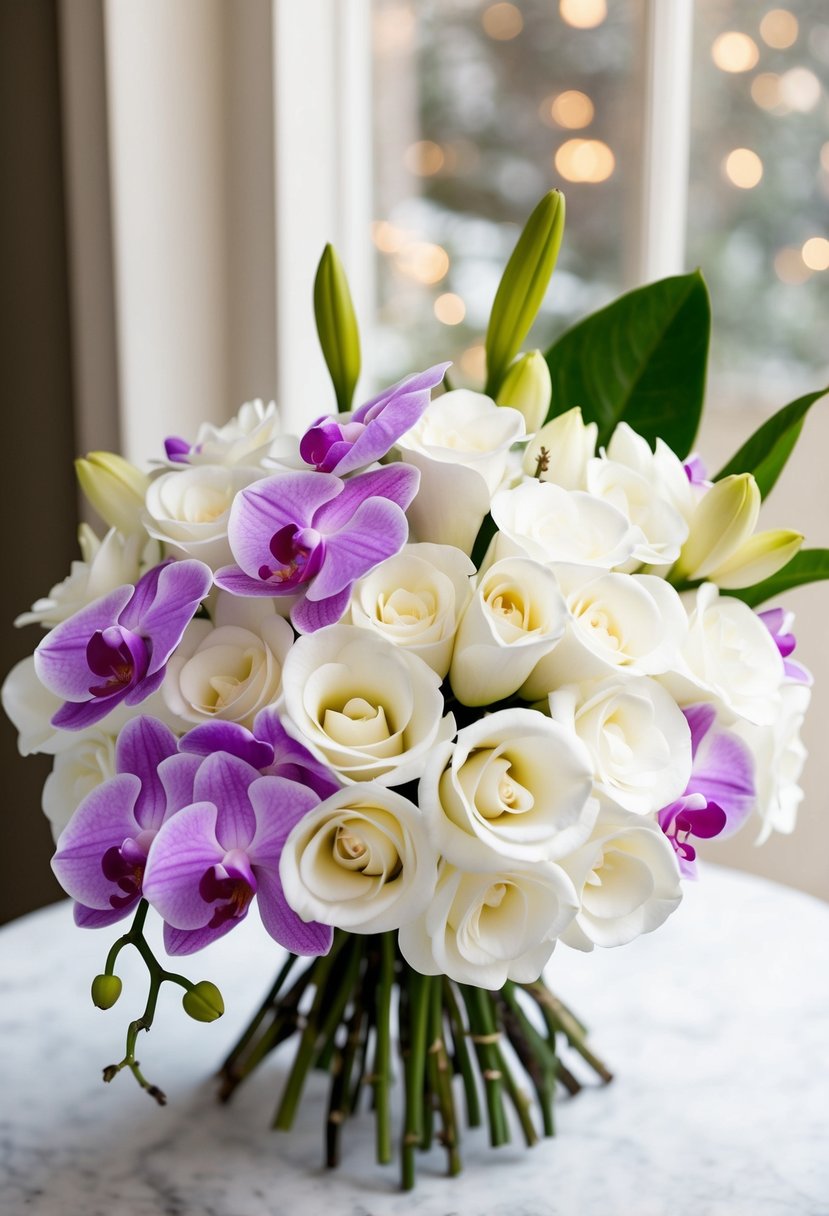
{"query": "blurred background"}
pixel 172 171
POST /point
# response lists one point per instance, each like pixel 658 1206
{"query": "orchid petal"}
pixel 279 806
pixel 235 582
pixel 142 745
pixel 700 719
pixel 283 923
pixel 184 849
pixel 60 659
pixel 231 737
pixel 397 482
pixel 377 530
pixel 77 715
pixel 262 509
pixel 178 775
pixel 224 780
pixel 188 941
pixel 105 819
pixel 179 588
pixel 386 418
pixel 310 615
pixel 100 918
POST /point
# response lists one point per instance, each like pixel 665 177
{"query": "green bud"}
pixel 115 488
pixel 203 1002
pixel 106 990
pixel 337 326
pixel 522 286
pixel 528 387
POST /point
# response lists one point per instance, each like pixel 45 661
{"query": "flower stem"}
pixel 485 1038
pixel 238 1050
pixel 461 1057
pixel 536 1055
pixel 415 1062
pixel 381 1075
pixel 559 1017
pixel 441 1078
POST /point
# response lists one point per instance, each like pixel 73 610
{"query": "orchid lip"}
pixel 230 885
pixel 120 656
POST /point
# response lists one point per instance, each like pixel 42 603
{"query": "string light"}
pixel 743 168
pixel 735 52
pixel 502 22
pixel 585 160
pixel 449 308
pixel 815 253
pixel 583 14
pixel 779 29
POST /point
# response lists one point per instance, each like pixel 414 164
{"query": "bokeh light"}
pixel 583 14
pixel 585 160
pixel 571 109
pixel 735 52
pixel 800 89
pixel 779 29
pixel 815 253
pixel 473 362
pixel 765 91
pixel 449 308
pixel 424 158
pixel 502 21
pixel 743 168
pixel 394 29
pixel 423 262
pixel 789 266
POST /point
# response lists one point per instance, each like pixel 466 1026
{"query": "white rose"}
pixel 779 756
pixel 515 617
pixel 188 510
pixel 415 600
pixel 661 528
pixel 514 785
pixel 637 737
pixel 661 467
pixel 626 879
pixel 361 860
pixel 253 438
pixel 622 624
pixel 730 656
pixel 370 710
pixel 487 928
pixel 550 524
pixel 460 444
pixel 559 452
pixel 105 565
pixel 231 668
pixel 78 770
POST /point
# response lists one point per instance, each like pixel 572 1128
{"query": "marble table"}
pixel 717 1026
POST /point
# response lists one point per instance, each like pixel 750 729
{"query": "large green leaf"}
pixel 807 566
pixel 766 452
pixel 641 360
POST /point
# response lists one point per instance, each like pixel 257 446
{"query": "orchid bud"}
pixel 758 558
pixel 522 287
pixel 203 1002
pixel 527 387
pixel 115 488
pixel 337 326
pixel 106 990
pixel 559 452
pixel 724 519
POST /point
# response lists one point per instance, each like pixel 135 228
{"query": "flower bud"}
pixel 203 1002
pixel 758 558
pixel 528 387
pixel 106 990
pixel 724 519
pixel 559 452
pixel 337 326
pixel 522 286
pixel 115 488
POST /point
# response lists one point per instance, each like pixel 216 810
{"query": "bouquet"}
pixel 452 678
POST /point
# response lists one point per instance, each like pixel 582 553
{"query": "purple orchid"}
pixel 102 851
pixel 211 858
pixel 314 535
pixel 268 748
pixel 342 444
pixel 720 793
pixel 116 648
pixel 779 624
pixel 177 450
pixel 695 470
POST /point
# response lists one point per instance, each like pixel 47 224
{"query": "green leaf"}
pixel 337 326
pixel 641 360
pixel 807 566
pixel 766 452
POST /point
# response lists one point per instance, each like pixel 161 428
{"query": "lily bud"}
pixel 724 519
pixel 115 488
pixel 761 556
pixel 522 287
pixel 559 452
pixel 337 326
pixel 528 387
pixel 203 1002
pixel 106 990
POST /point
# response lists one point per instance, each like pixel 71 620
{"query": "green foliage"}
pixel 807 566
pixel 641 360
pixel 766 452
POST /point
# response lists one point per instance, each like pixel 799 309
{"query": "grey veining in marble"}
pixel 717 1025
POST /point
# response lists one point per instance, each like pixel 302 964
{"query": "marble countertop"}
pixel 717 1026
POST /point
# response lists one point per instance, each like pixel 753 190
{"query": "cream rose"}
pixel 660 527
pixel 230 668
pixel 626 879
pixel 637 737
pixel 415 600
pixel 779 757
pixel 253 438
pixel 361 860
pixel 77 770
pixel 515 617
pixel 487 928
pixel 460 445
pixel 514 785
pixel 367 708
pixel 188 510
pixel 105 565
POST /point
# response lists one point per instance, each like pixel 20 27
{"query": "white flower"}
pixel 361 860
pixel 515 785
pixel 252 438
pixel 637 737
pixel 661 467
pixel 188 510
pixel 85 764
pixel 568 444
pixel 231 668
pixel 415 600
pixel 487 928
pixel 369 709
pixel 549 524
pixel 779 756
pixel 515 617
pixel 730 656
pixel 661 528
pixel 622 624
pixel 106 564
pixel 626 878
pixel 460 444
